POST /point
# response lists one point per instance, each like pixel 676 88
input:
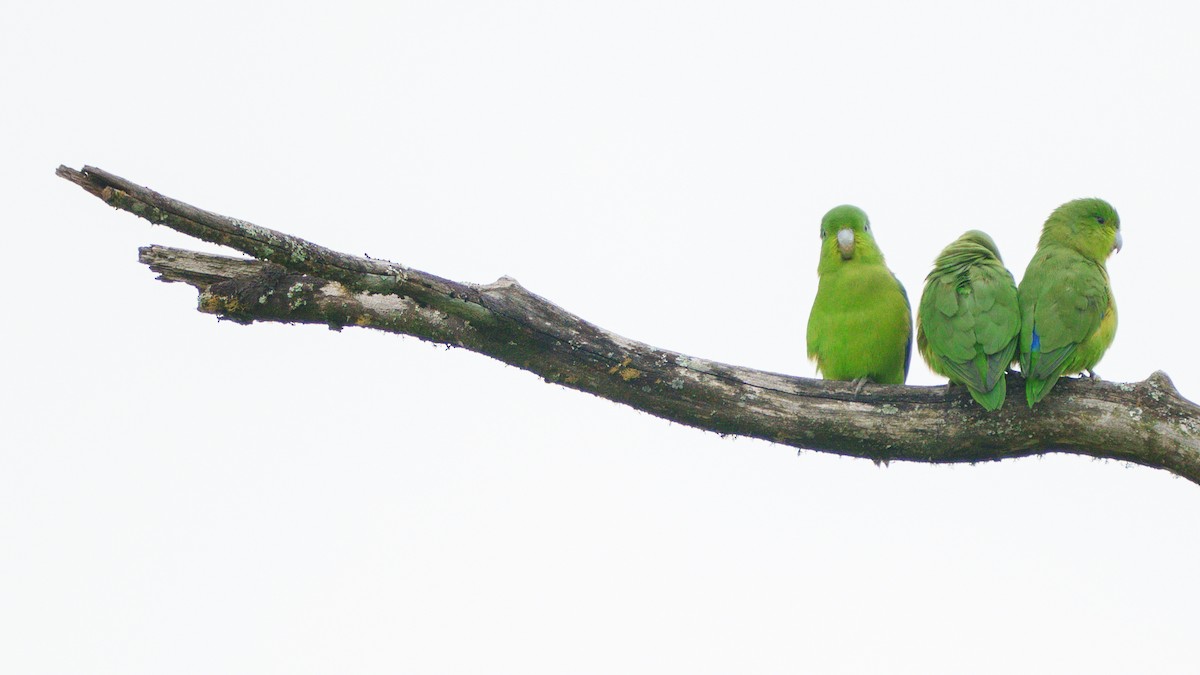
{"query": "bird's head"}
pixel 846 230
pixel 971 248
pixel 1090 226
pixel 980 240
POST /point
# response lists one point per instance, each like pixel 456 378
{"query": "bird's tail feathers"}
pixel 993 398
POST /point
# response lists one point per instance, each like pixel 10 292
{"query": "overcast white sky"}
pixel 182 495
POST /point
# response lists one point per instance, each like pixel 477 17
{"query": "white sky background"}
pixel 183 495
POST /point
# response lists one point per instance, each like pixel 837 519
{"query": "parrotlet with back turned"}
pixel 968 319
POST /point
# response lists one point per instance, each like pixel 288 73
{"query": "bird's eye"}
pixel 1100 219
pixel 822 233
pixel 867 227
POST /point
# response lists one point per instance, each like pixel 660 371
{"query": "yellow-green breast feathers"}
pixel 860 327
pixel 1068 316
pixel 968 319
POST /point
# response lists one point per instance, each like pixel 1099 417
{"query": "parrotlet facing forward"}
pixel 968 319
pixel 860 327
pixel 1068 317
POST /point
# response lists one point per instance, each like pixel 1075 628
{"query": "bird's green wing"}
pixel 948 325
pixel 1063 299
pixel 909 344
pixel 970 320
pixel 997 318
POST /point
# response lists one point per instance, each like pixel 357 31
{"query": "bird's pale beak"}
pixel 1117 243
pixel 846 243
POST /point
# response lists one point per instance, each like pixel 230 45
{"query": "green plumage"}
pixel 968 319
pixel 860 327
pixel 1068 317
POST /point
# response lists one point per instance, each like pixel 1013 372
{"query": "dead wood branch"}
pixel 296 281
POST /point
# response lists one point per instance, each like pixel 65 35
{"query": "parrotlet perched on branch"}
pixel 1068 318
pixel 860 327
pixel 968 319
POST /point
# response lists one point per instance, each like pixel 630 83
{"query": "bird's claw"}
pixel 858 384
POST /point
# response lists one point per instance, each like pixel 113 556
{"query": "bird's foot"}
pixel 1091 374
pixel 858 384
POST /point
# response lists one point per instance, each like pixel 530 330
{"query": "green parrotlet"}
pixel 860 328
pixel 1068 317
pixel 968 319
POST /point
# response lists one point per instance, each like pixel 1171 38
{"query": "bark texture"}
pixel 295 281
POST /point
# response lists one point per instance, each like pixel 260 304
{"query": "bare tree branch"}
pixel 295 281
